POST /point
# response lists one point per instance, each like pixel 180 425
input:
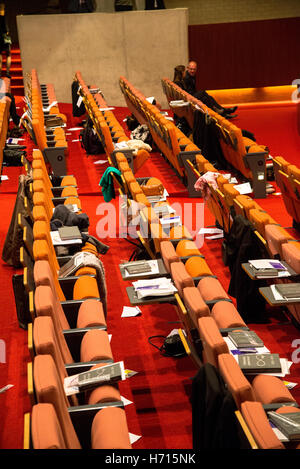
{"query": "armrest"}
pixel 74 337
pixel 82 419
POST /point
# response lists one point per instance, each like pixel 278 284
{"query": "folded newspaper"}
pixel 154 287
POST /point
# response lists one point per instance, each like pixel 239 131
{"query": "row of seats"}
pixel 207 313
pixel 108 128
pixel 224 201
pixel 68 333
pixel 169 139
pixel 287 176
pixel 4 115
pixel 233 144
pixel 44 123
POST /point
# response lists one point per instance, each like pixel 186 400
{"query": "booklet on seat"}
pixel 245 339
pixel 288 423
pixel 260 363
pixel 69 232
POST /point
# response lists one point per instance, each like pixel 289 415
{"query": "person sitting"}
pixel 178 79
pixel 179 73
pixel 190 87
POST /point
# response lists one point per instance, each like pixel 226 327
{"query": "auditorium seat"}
pixel 194 304
pixel 276 236
pixel 49 390
pixel 83 313
pixel 259 426
pixel 226 315
pixel 92 348
pixel 211 289
pixel 264 388
pixel 180 277
pixel 212 341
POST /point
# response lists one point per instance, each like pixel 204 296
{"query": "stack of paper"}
pixel 154 287
pixel 268 268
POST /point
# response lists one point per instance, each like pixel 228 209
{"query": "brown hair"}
pixel 179 73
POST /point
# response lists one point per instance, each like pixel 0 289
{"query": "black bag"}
pixel 90 140
pixel 76 110
pixel 21 301
pixel 13 157
pixel 131 122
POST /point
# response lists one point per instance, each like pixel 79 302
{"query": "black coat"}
pixel 243 245
pixel 213 407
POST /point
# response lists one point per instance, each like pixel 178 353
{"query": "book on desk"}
pixel 260 363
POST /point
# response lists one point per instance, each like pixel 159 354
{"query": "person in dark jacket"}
pixel 202 95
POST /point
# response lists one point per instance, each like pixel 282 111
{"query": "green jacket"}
pixel 107 183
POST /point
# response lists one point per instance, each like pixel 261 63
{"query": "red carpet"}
pixel 160 391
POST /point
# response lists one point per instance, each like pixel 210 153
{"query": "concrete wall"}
pixel 143 46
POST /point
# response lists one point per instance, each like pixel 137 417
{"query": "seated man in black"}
pixel 209 101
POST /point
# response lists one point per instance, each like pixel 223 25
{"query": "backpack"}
pixel 90 140
pixel 13 156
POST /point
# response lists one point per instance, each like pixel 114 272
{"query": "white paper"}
pixel 133 438
pixel 129 311
pixel 47 109
pixel 76 140
pixel 289 384
pixel 126 401
pixel 172 220
pixel 217 236
pixel 5 388
pixel 266 264
pixel 130 373
pixel 106 108
pixel 244 188
pixel 75 128
pixel 100 161
pixel 154 287
pixel 276 293
pixel 210 231
pixel 79 101
pixel 4 178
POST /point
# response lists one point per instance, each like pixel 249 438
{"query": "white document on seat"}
pixel 162 286
pixel 244 188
